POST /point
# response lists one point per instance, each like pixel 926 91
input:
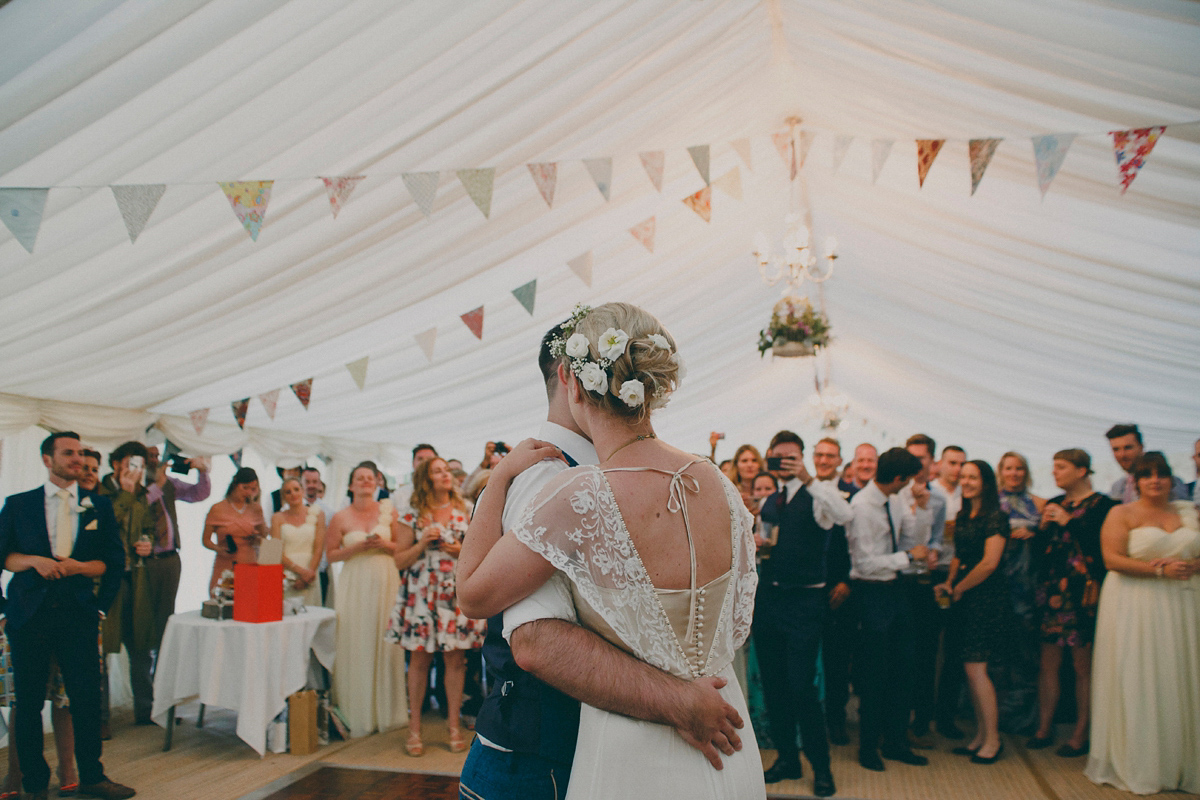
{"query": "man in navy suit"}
pixel 56 539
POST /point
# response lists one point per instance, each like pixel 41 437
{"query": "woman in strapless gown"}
pixel 302 529
pixel 368 673
pixel 235 525
pixel 1146 668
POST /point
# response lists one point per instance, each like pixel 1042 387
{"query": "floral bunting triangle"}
pixel 806 140
pixel 701 203
pixel 1131 149
pixel 249 200
pixel 478 183
pixel 423 188
pixel 199 419
pixel 730 183
pixel 841 144
pixel 545 177
pixel 340 189
pixel 787 151
pixel 981 152
pixel 240 407
pixel 1049 152
pixel 654 161
pixel 270 401
pixel 880 150
pixel 601 171
pixel 473 319
pixel 927 151
pixel 526 295
pixel 236 458
pixel 21 210
pixel 644 233
pixel 426 340
pixel 582 266
pixel 303 390
pixel 699 154
pixel 136 203
pixel 742 148
pixel 358 371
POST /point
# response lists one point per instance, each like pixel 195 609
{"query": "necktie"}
pixel 62 534
pixel 887 509
pixel 783 498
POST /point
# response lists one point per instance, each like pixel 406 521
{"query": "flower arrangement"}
pixel 795 329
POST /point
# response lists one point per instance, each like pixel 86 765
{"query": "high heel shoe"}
pixel 457 741
pixel 965 751
pixel 978 759
pixel 414 746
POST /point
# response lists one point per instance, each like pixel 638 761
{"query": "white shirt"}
pixel 953 498
pixel 830 506
pixel 871 552
pixel 52 507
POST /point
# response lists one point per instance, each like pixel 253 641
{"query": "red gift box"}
pixel 258 592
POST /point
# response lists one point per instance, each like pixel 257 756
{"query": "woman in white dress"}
pixel 302 529
pixel 656 544
pixel 1146 667
pixel 368 672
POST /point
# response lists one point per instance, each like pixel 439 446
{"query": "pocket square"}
pixel 93 525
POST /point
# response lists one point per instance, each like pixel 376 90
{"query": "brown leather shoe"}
pixel 106 789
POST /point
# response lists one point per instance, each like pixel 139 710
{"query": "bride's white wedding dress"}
pixel 576 525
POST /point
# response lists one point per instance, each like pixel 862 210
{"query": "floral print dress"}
pixel 1067 555
pixel 426 615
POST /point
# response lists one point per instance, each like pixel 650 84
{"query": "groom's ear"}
pixel 563 373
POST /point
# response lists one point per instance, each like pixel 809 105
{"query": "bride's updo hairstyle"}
pixel 626 378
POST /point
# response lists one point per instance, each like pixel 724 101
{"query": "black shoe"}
pixel 964 751
pixel 978 759
pixel 950 731
pixel 905 757
pixel 1066 751
pixel 919 729
pixel 106 790
pixel 837 732
pixel 823 785
pixel 1039 742
pixel 783 770
pixel 871 761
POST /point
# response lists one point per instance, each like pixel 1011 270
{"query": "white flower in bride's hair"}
pixel 612 343
pixel 577 346
pixel 593 377
pixel 679 365
pixel 659 341
pixel 633 393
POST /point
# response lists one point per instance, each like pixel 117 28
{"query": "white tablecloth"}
pixel 250 668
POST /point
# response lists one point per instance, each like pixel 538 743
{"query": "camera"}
pixel 501 449
pixel 179 465
pixel 775 464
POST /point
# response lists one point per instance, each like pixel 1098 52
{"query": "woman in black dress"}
pixel 982 611
pixel 1069 571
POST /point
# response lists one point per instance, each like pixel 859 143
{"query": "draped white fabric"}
pixel 999 320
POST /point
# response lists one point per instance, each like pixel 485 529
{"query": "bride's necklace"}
pixel 634 440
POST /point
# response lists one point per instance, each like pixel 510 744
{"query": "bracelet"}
pixel 1159 570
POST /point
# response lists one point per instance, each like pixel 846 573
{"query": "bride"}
pixel 656 544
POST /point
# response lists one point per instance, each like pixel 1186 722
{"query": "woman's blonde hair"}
pixel 1024 464
pixel 422 494
pixel 733 467
pixel 643 360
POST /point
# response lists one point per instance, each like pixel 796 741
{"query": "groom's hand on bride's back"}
pixel 710 724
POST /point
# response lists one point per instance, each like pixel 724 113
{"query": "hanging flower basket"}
pixel 796 329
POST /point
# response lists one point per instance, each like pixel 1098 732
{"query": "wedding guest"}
pixel 426 618
pixel 1191 487
pixel 862 469
pixel 368 672
pixel 234 525
pixel 314 493
pixel 1069 572
pixel 950 675
pixel 302 530
pixel 277 502
pixel 420 454
pixel 60 722
pixel 1146 669
pixel 765 484
pixel 747 463
pixel 982 613
pixel 1127 447
pixel 90 477
pixel 949 468
pixel 475 484
pixel 1018 707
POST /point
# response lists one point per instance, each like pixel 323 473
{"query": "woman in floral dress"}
pixel 426 618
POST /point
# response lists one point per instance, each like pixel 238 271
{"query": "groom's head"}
pixel 548 362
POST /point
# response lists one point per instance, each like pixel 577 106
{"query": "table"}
pixel 250 668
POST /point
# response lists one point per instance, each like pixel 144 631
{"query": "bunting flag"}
pixel 644 233
pixel 236 458
pixel 426 340
pixel 340 189
pixel 927 151
pixel 545 176
pixel 880 150
pixel 1131 149
pixel 654 161
pixel 701 203
pixel 841 144
pixel 582 266
pixel 473 319
pixel 730 183
pixel 742 148
pixel 423 188
pixel 981 152
pixel 303 390
pixel 240 407
pixel 270 401
pixel 699 154
pixel 358 371
pixel 199 419
pixel 1049 152
pixel 806 140
pixel 601 171
pixel 787 151
pixel 526 294
pixel 478 183
pixel 21 210
pixel 136 203
pixel 249 201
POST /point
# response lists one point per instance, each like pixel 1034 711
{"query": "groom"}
pixel 529 721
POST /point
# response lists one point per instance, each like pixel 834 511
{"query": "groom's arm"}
pixel 579 663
